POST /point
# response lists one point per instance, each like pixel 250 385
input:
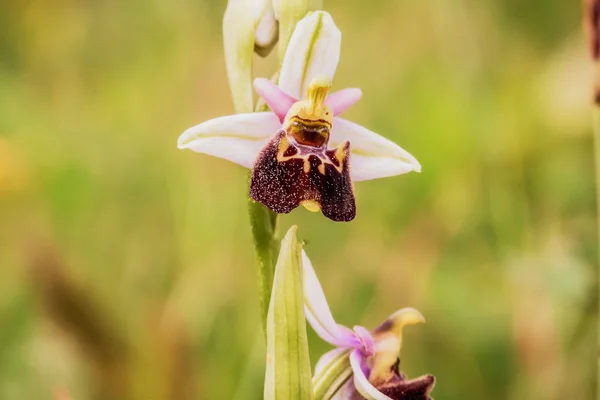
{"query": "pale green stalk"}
pixel 263 223
pixel 596 129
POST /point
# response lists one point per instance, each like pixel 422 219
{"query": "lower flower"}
pixel 364 364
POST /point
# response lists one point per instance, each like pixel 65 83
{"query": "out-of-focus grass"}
pixel 126 267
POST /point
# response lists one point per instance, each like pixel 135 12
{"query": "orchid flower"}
pixel 371 358
pixel 302 152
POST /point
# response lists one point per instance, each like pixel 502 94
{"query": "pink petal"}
pixel 341 100
pixel 362 384
pixel 278 101
pixel 318 313
pixel 365 339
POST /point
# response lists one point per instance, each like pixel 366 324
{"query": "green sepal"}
pixel 332 377
pixel 288 374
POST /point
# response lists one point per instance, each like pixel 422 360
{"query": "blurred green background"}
pixel 126 265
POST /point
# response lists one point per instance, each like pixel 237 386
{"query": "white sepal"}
pixel 237 138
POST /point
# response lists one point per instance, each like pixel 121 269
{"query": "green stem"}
pixel 596 129
pixel 263 223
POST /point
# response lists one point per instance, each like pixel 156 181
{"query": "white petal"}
pixel 361 382
pixel 317 310
pixel 373 156
pixel 237 138
pixel 314 49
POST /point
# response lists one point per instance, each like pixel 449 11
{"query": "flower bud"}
pixel 254 26
pixel 288 373
pixel 266 27
pixel 238 42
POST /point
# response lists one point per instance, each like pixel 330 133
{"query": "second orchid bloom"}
pixel 302 153
pixel 364 364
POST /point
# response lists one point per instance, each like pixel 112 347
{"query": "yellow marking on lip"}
pixel 311 205
pixel 284 144
pixel 321 168
pixel 310 123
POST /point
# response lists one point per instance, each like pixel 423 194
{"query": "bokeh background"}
pixel 126 265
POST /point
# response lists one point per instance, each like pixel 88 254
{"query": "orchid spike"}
pixel 370 358
pixel 302 152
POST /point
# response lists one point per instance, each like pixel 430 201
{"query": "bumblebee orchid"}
pixel 301 151
pixel 370 358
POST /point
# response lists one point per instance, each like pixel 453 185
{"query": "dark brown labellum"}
pixel 401 388
pixel 287 174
